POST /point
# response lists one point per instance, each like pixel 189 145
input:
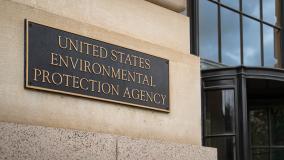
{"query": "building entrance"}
pixel 266 119
pixel 243 112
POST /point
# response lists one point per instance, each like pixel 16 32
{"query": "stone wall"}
pixel 133 24
pixel 25 142
pixel 91 129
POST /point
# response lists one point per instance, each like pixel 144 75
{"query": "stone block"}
pixel 25 142
pixel 20 105
pixel 138 149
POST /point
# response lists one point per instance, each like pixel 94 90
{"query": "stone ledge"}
pixel 158 150
pixel 175 5
pixel 18 141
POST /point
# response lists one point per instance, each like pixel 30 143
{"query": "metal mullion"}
pixel 236 120
pixel 221 87
pixel 246 15
pixel 261 34
pixel 243 115
pixel 261 21
pixel 282 32
pixel 225 6
pixel 203 114
pixel 269 131
pixel 220 135
pixel 219 36
pixel 267 147
pixel 241 33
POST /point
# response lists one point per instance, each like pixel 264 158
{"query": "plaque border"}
pixel 26 79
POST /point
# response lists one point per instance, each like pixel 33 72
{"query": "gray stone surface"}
pixel 26 142
pixel 23 142
pixel 134 149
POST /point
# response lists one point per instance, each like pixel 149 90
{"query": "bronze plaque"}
pixel 64 62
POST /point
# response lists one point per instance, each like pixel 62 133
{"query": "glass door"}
pixel 220 128
pixel 266 123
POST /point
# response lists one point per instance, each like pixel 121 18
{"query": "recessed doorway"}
pixel 265 101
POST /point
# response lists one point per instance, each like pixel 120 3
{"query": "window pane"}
pixel 270 13
pixel 270 44
pixel 277 126
pixel 208 30
pixel 231 3
pixel 226 147
pixel 260 154
pixel 230 31
pixel 219 112
pixel 258 120
pixel 277 154
pixel 251 34
pixel 252 7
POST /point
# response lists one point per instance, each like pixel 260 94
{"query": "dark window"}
pixel 277 154
pixel 266 132
pixel 252 7
pixel 220 122
pixel 240 32
pixel 230 32
pixel 277 126
pixel 259 127
pixel 220 112
pixel 232 3
pixel 225 146
pixel 251 39
pixel 271 43
pixel 260 154
pixel 208 31
pixel 270 11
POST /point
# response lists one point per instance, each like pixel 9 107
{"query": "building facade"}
pixel 51 109
pixel 217 64
pixel 240 43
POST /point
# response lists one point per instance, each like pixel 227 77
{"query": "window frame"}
pixel 270 146
pixel 240 75
pixel 194 31
pixel 230 85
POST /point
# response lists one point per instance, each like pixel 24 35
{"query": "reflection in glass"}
pixel 208 30
pixel 225 147
pixel 259 127
pixel 260 154
pixel 270 11
pixel 231 3
pixel 252 7
pixel 219 112
pixel 230 31
pixel 277 127
pixel 269 45
pixel 251 41
pixel 277 154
